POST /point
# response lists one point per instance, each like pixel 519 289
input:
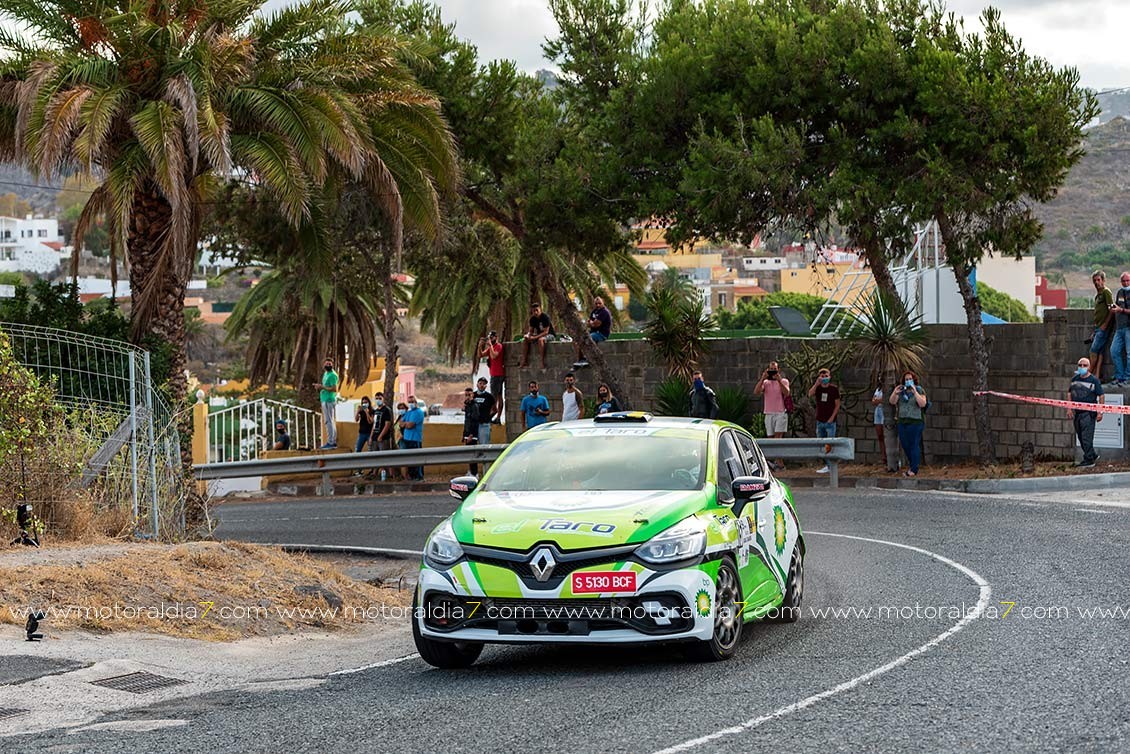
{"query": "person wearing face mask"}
pixel 364 418
pixel 909 400
pixel 328 397
pixel 1085 388
pixel 282 436
pixel 704 403
pixel 827 399
pixel 412 433
pixel 1120 344
pixel 382 424
pixel 606 402
pixel 535 407
pixel 775 387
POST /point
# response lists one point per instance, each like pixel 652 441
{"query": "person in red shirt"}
pixel 491 350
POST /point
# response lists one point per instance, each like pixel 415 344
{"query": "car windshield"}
pixel 603 460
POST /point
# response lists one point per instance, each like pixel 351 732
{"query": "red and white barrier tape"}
pixel 1102 409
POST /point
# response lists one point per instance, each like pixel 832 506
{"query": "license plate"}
pixel 593 582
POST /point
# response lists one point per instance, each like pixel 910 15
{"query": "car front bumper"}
pixel 489 604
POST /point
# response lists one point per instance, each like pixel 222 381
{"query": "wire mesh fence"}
pixel 121 453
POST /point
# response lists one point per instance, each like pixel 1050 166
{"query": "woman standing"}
pixel 909 399
pixel 606 402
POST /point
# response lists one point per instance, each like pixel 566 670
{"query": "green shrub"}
pixel 1002 305
pixel 734 406
pixel 673 398
pixel 754 315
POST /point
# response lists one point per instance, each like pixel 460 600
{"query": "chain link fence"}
pixel 129 462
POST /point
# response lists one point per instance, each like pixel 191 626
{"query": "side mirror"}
pixel 462 487
pixel 748 489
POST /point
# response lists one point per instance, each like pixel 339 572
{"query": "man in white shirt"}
pixel 572 400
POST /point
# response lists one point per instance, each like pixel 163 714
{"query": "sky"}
pixel 1087 34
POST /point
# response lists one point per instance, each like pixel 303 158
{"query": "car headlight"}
pixel 686 539
pixel 442 546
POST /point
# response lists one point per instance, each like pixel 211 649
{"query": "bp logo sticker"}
pixel 702 603
pixel 779 529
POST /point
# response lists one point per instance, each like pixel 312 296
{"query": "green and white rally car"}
pixel 620 529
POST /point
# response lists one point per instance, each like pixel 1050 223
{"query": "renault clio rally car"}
pixel 620 529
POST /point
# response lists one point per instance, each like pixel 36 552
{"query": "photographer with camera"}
pixel 778 400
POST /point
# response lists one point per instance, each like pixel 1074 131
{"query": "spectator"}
pixel 1085 388
pixel 492 352
pixel 364 418
pixel 880 434
pixel 827 399
pixel 535 407
pixel 282 436
pixel 600 328
pixel 484 405
pixel 704 404
pixel 382 424
pixel 382 428
pixel 398 428
pixel 328 398
pixel 572 400
pixel 471 424
pixel 775 387
pixel 412 434
pixel 540 332
pixel 606 402
pixel 1120 345
pixel 910 400
pixel 1104 313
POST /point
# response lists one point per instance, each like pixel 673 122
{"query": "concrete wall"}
pixel 1026 359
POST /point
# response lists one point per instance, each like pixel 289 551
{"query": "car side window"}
pixel 754 462
pixel 729 467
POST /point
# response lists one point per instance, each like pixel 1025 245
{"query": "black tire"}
pixel 789 609
pixel 723 642
pixel 448 655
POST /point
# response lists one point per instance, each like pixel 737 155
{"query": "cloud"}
pixel 504 29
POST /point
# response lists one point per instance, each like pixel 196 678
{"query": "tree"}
pixel 531 168
pixel 156 100
pixel 998 132
pixel 1000 304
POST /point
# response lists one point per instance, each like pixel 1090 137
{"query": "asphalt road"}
pixel 1026 681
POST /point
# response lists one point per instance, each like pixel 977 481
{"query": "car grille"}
pixel 526 573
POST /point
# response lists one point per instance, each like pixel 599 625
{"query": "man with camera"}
pixel 778 398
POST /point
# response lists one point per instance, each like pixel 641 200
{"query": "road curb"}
pixel 381 552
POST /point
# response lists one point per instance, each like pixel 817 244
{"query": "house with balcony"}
pixel 31 244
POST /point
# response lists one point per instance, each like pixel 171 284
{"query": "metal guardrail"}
pixel 326 463
pixel 831 450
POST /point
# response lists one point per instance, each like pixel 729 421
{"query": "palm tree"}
pixel 157 99
pixel 678 329
pixel 884 335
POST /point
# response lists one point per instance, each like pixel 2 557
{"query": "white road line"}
pixel 381 664
pixel 225 520
pixel 1032 500
pixel 1090 510
pixel 982 602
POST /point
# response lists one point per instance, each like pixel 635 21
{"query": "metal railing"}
pixel 327 463
pixel 927 253
pixel 831 450
pixel 123 430
pixel 241 432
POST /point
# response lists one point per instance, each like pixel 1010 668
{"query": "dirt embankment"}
pixel 204 590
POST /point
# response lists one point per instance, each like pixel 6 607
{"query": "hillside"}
pixel 1091 215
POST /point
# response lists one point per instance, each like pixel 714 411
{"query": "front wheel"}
pixel 448 655
pixel 727 619
pixel 789 610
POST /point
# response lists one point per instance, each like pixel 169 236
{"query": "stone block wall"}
pixel 1026 359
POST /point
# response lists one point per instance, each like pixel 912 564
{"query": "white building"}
pixel 31 244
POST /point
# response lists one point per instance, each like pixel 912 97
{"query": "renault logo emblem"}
pixel 542 564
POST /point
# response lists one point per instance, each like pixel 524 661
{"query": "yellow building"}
pixel 374 382
pixel 653 246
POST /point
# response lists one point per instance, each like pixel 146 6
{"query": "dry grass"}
pixel 167 589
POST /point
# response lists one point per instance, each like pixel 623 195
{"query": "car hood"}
pixel 571 520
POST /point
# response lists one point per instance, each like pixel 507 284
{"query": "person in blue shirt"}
pixel 535 407
pixel 411 424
